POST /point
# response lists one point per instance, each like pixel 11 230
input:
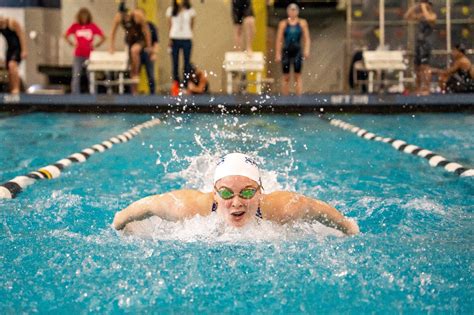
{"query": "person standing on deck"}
pixel 244 22
pixel 16 50
pixel 148 59
pixel 423 13
pixel 84 32
pixel 181 19
pixel 289 50
pixel 137 37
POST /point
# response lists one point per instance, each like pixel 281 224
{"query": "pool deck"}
pixel 238 103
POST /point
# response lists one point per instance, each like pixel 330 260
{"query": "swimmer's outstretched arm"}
pixel 172 206
pixel 286 206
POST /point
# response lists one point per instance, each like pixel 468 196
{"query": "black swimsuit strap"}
pixel 258 214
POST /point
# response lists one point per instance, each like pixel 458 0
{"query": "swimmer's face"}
pixel 237 211
pixel 292 12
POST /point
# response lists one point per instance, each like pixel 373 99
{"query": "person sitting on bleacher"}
pixel 458 78
pixel 198 83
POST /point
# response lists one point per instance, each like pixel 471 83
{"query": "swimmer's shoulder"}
pixel 280 205
pixel 190 201
pixel 303 22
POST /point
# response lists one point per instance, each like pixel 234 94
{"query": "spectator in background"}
pixel 244 21
pixel 84 32
pixel 423 13
pixel 148 58
pixel 289 49
pixel 181 18
pixel 459 77
pixel 16 50
pixel 137 37
pixel 198 83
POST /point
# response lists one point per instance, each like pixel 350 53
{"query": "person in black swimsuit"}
pixel 237 199
pixel 457 78
pixel 137 37
pixel 425 16
pixel 16 50
pixel 244 21
pixel 289 49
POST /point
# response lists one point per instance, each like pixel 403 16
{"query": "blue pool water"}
pixel 415 254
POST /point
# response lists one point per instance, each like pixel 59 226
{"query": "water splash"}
pixel 211 229
pixel 232 135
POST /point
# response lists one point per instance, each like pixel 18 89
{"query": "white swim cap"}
pixel 293 6
pixel 237 164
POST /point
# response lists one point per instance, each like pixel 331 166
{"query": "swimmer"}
pixel 137 38
pixel 289 50
pixel 425 16
pixel 16 50
pixel 238 199
pixel 244 21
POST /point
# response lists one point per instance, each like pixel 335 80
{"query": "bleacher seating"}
pixel 377 61
pixel 243 62
pixel 101 61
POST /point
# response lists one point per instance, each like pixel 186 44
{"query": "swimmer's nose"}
pixel 236 202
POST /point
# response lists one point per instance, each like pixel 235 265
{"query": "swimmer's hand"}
pixel 351 227
pixel 119 223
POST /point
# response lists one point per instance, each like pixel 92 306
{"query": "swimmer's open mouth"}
pixel 238 213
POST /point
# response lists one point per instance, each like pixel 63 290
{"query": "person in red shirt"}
pixel 84 32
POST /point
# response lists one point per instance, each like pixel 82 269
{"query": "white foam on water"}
pixel 199 169
pixel 424 204
pixel 197 172
pixel 211 229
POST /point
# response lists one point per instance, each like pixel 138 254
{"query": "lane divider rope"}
pixel 13 187
pixel 435 160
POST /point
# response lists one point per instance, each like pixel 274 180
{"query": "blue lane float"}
pixel 13 187
pixel 435 160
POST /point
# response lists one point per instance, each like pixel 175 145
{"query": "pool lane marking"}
pixel 435 160
pixel 13 187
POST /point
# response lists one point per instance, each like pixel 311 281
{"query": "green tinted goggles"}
pixel 227 193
